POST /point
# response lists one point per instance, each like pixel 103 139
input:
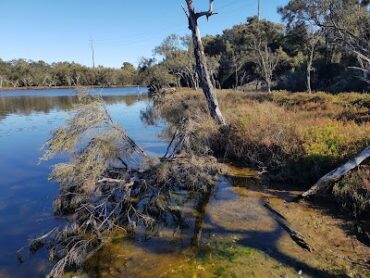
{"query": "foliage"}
pixel 345 24
pixel 155 76
pixel 284 56
pixel 27 73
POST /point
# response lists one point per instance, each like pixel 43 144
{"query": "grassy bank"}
pixel 297 138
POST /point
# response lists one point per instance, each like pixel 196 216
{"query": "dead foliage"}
pixel 111 184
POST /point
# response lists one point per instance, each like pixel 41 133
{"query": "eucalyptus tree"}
pixel 4 73
pixel 263 42
pixel 179 59
pixel 345 22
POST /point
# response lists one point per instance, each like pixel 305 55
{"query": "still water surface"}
pixel 26 121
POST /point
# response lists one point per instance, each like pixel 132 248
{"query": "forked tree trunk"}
pixel 200 59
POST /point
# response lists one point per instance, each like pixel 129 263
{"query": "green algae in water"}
pixel 228 259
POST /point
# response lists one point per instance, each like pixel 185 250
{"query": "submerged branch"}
pixel 282 221
pixel 99 198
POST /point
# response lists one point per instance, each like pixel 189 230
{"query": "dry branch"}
pixel 99 197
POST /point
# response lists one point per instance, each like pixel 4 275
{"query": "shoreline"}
pixel 41 88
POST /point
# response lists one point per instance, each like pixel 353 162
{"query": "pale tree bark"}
pixel 312 44
pixel 364 67
pixel 236 66
pixel 200 59
pixel 353 43
pixel 312 47
pixel 309 68
pixel 266 61
pixel 336 174
pixel 14 83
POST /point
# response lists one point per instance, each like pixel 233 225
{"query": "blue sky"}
pixel 123 30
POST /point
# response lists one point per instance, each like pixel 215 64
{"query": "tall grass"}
pixel 297 137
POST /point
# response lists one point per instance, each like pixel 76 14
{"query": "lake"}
pixel 27 118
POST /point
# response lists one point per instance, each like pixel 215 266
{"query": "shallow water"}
pixel 229 233
pixel 26 121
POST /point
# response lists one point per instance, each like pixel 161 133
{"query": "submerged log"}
pixel 335 175
pixel 294 235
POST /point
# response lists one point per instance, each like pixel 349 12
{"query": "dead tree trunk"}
pixel 311 53
pixel 309 69
pixel 200 59
pixel 336 174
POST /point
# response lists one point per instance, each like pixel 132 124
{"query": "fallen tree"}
pixel 326 181
pixel 111 184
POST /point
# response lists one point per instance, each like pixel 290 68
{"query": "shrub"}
pixel 353 191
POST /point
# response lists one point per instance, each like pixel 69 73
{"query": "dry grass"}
pixel 298 137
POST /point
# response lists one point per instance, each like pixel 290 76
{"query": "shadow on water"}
pixel 224 214
pixel 234 212
pixel 265 241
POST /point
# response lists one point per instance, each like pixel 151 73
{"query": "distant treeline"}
pixel 27 73
pixel 305 49
pixel 322 46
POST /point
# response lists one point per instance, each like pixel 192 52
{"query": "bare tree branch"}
pixel 208 13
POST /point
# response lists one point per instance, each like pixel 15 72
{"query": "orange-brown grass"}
pixel 298 137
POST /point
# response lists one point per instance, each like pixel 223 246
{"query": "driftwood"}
pixel 282 221
pixel 335 175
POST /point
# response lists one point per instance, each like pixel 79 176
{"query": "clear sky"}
pixel 123 30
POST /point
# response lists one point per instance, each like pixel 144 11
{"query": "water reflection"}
pixel 26 121
pixel 26 105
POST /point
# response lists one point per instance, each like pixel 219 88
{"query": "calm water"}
pixel 26 121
